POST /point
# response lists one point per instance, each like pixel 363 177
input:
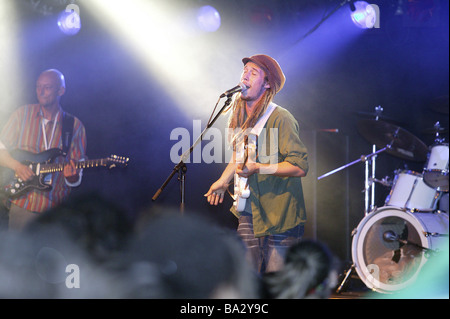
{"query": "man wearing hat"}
pixel 274 214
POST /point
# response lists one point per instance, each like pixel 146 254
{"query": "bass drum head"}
pixel 388 266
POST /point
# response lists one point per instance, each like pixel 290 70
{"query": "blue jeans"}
pixel 267 253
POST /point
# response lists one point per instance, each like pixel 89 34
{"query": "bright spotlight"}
pixel 208 19
pixel 69 22
pixel 363 15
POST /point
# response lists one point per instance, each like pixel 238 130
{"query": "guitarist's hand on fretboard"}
pixel 248 169
pixel 70 172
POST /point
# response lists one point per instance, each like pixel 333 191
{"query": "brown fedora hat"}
pixel 271 68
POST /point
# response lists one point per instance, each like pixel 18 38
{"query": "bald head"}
pixel 56 75
pixel 50 86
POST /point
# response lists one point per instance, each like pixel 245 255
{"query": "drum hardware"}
pixel 366 159
pixel 385 181
pixel 377 114
pixel 347 275
pixel 428 234
pixel 368 184
pixel 397 142
pixel 436 129
pixel 363 158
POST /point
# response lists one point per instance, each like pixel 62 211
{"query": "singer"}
pixel 274 214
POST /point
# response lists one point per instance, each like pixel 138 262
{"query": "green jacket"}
pixel 277 203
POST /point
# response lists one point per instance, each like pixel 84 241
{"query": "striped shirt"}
pixel 24 131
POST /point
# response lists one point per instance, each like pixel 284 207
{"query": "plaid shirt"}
pixel 24 131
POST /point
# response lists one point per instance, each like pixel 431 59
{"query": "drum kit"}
pixel 392 243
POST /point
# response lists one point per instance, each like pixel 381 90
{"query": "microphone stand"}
pixel 181 166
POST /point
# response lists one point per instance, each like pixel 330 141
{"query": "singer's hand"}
pixel 216 193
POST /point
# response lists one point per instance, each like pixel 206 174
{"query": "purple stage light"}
pixel 208 19
pixel 364 15
pixel 69 22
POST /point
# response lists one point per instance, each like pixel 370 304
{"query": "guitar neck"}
pixel 59 167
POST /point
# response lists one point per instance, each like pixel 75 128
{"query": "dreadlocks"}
pixel 238 117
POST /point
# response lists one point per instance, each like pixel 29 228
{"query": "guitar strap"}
pixel 67 132
pixel 262 121
pixel 250 139
pixel 256 130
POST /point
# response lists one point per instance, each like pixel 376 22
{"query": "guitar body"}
pixel 13 186
pixel 241 192
pixel 241 189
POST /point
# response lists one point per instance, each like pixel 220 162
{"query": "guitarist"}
pixel 274 214
pixel 36 128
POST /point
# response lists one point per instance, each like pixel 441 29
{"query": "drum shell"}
pixel 410 192
pixel 435 173
pixel 438 157
pixel 373 256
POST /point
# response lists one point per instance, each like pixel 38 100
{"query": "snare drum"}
pixel 388 265
pixel 435 173
pixel 410 192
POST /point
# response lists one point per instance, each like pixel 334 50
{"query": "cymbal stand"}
pixel 369 184
pixel 437 128
pixel 369 163
pixel 368 207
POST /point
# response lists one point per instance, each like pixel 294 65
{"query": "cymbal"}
pixel 374 115
pixel 404 144
pixel 434 130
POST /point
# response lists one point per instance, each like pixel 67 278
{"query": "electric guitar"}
pixel 41 164
pixel 241 189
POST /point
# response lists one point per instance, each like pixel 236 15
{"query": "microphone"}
pixel 390 236
pixel 238 88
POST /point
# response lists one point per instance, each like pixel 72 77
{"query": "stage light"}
pixel 11 66
pixel 208 19
pixel 160 35
pixel 69 22
pixel 363 15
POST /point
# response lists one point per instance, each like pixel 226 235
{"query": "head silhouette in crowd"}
pixel 310 271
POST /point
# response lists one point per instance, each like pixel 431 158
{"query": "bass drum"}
pixel 387 248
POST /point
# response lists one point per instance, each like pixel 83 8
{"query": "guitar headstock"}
pixel 117 161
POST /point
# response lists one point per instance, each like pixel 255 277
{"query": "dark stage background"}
pixel 336 77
